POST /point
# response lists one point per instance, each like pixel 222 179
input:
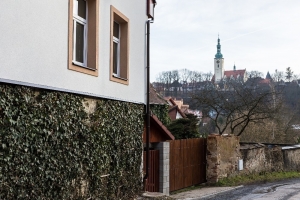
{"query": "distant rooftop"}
pixel 155 98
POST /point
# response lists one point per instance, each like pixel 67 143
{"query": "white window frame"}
pixel 117 41
pixel 80 20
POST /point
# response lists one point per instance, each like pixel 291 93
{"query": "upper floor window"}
pixel 116 49
pixel 119 48
pixel 80 32
pixel 83 36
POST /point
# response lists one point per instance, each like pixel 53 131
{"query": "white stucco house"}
pixel 90 47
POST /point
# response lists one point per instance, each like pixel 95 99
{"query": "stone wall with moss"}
pixel 56 145
pixel 260 158
pixel 223 153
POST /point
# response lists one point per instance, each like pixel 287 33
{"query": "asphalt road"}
pixel 283 190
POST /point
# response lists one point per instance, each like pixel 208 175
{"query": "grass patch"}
pixel 254 178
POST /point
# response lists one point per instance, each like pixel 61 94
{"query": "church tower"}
pixel 219 63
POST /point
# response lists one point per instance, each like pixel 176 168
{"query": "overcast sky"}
pixel 261 35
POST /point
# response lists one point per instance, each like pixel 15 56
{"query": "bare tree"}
pixel 276 130
pixel 184 76
pixel 277 76
pixel 159 78
pixel 296 77
pixel 160 83
pixel 175 75
pixel 242 104
pixel 175 79
pixel 168 78
pixel 163 82
pixel 208 76
pixel 199 76
pixel 195 78
pixel 255 74
pixel 288 74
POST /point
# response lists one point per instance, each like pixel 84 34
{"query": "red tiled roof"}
pixel 266 81
pixel 234 73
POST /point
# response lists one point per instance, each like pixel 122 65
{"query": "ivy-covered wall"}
pixel 161 111
pixel 56 145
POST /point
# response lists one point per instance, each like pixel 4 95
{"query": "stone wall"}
pixel 253 157
pixel 224 152
pixel 274 159
pixel 222 157
pixel 291 159
pixel 260 158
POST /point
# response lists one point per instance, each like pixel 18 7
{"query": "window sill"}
pixel 84 70
pixel 80 65
pixel 118 77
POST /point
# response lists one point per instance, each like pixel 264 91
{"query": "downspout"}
pixel 150 20
pixel 147 106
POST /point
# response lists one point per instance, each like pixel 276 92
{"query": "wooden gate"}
pixel 153 178
pixel 187 163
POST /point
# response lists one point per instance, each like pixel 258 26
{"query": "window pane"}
pixel 79 42
pixel 116 29
pixel 115 58
pixel 82 8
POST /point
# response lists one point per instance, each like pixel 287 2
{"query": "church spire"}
pixel 218 55
pixel 268 76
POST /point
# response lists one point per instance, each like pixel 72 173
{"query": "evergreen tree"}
pixel 185 128
pixel 289 74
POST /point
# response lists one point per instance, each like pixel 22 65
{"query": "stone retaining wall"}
pixel 291 159
pixel 260 158
pixel 224 153
pixel 222 157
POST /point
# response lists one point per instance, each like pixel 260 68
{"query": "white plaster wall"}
pixel 223 68
pixel 34 47
pixel 217 71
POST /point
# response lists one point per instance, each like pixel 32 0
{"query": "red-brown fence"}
pixel 153 177
pixel 187 163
